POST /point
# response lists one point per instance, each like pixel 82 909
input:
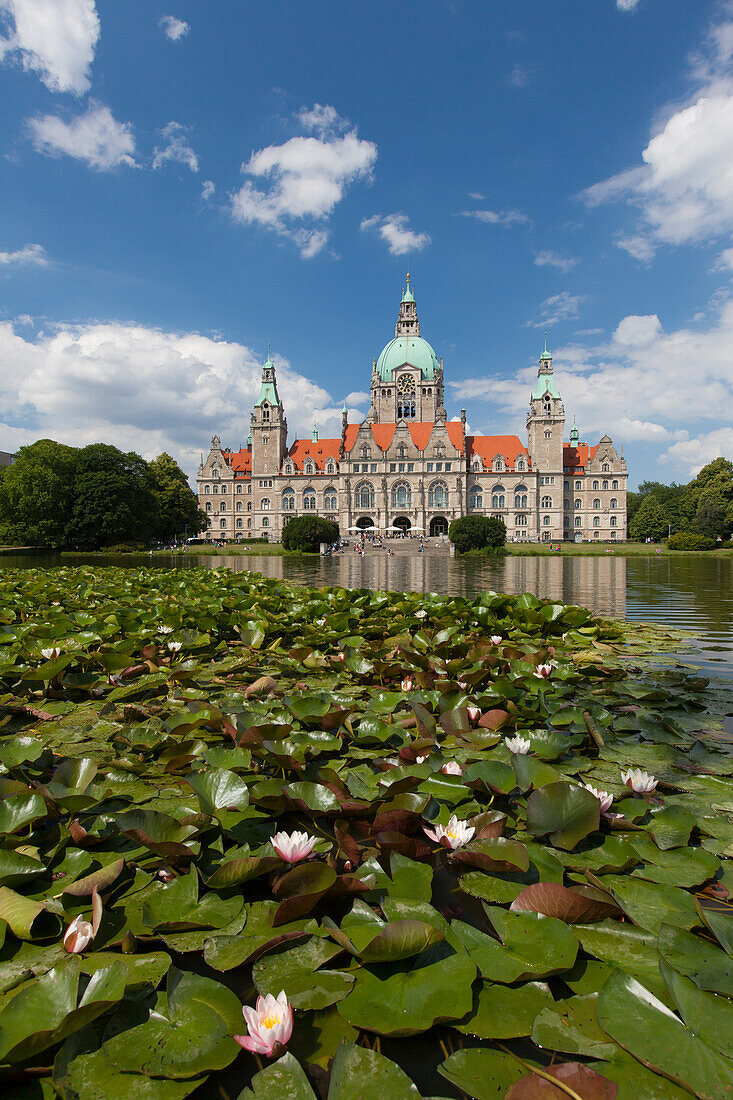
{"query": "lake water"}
pixel 691 593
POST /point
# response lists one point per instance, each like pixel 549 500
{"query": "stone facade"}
pixel 407 465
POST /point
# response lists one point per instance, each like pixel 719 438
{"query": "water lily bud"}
pixel 452 768
pixel 78 936
pixel 496 639
pixel 421 759
pixel 407 684
pixel 474 713
pixel 269 1024
pixel 51 654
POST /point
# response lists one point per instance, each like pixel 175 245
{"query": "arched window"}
pixel 208 505
pixel 605 468
pixel 475 497
pixel 596 484
pixel 308 467
pixel 613 502
pixel 402 451
pixel 364 495
pixel 596 521
pixel 613 521
pixel 239 488
pixel 578 521
pixel 578 484
pixel 520 521
pixel 547 502
pixel 477 464
pixel 222 506
pixel 207 490
pixel 223 523
pixel 401 495
pixel 605 484
pixel 366 451
pixel 239 523
pixel 545 521
pixel 498 463
pixel 249 505
pixel 497 496
pixel 614 484
pixel 331 500
pixel 239 506
pixel 596 502
pixel 520 496
pixel 288 501
pixel 438 495
pixel 265 522
pixel 520 464
pixel 215 488
pixel 577 505
pixel 309 500
pixel 265 505
pixel 406 399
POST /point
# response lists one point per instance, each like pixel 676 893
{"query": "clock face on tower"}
pixel 405 384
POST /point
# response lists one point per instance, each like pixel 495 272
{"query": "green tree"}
pixel 650 521
pixel 477 533
pixel 178 510
pixel 114 499
pixel 37 495
pixel 306 533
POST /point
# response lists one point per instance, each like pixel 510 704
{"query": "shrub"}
pixel 306 533
pixel 688 540
pixel 477 533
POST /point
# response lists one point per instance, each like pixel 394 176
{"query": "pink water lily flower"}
pixel 51 654
pixel 519 745
pixel 452 768
pixel 407 684
pixel 453 835
pixel 543 671
pixel 294 846
pixel 496 639
pixel 474 713
pixel 269 1024
pixel 78 936
pixel 639 781
pixel 464 685
pixel 603 797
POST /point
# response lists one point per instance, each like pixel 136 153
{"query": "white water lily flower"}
pixel 269 1023
pixel 474 713
pixel 420 759
pixel 639 781
pixel 165 629
pixel 407 684
pixel 320 622
pixel 520 745
pixel 78 936
pixel 421 614
pixel 51 654
pixel 496 639
pixel 464 685
pixel 603 797
pixel 174 646
pixel 543 671
pixel 453 835
pixel 292 847
pixel 452 768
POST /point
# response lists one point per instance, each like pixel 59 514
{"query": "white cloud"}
pixel 173 28
pixel 305 179
pixel 207 190
pixel 394 230
pixel 559 307
pixel 322 119
pixel 505 218
pixel 518 77
pixel 55 38
pixel 639 386
pixel 684 186
pixel 142 389
pixel 358 397
pixel 627 5
pixel 548 258
pixel 177 149
pixel 95 137
pixel 30 254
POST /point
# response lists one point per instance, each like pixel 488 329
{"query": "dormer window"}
pixel 498 463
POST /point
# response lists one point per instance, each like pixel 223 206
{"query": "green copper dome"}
pixel 412 350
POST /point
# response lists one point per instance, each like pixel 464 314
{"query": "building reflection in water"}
pixel 595 582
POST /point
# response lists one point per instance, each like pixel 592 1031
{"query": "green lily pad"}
pixel 283 1080
pixel 358 1072
pixel 504 1011
pixel 567 812
pixel 296 969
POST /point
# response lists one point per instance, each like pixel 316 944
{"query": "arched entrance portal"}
pixel 403 523
pixel 438 526
pixel 365 523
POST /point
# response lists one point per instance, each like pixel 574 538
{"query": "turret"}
pixel 407 320
pixel 546 418
pixel 268 426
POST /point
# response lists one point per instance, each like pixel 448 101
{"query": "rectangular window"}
pixel 430 467
pixel 392 467
pixel 374 467
pixel 402 467
pixel 410 467
pixel 447 467
pixel 438 466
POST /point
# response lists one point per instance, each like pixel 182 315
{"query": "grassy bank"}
pixel 621 549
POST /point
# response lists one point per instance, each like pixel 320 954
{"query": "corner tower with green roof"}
pixel 407 376
pixel 545 432
pixel 268 432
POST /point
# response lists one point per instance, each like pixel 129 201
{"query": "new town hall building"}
pixel 406 465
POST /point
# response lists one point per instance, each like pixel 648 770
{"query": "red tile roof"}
pixel 575 459
pixel 420 432
pixel 487 447
pixel 318 452
pixel 240 462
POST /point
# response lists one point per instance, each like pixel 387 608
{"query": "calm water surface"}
pixel 694 593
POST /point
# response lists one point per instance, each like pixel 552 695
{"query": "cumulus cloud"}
pixel 627 5
pixel 142 389
pixel 639 386
pixel 54 38
pixel 30 254
pixel 395 231
pixel 176 149
pixel 304 179
pixel 173 28
pixel 683 187
pixel 548 258
pixel 504 218
pixel 95 137
pixel 558 307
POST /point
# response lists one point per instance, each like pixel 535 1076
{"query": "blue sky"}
pixel 184 181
